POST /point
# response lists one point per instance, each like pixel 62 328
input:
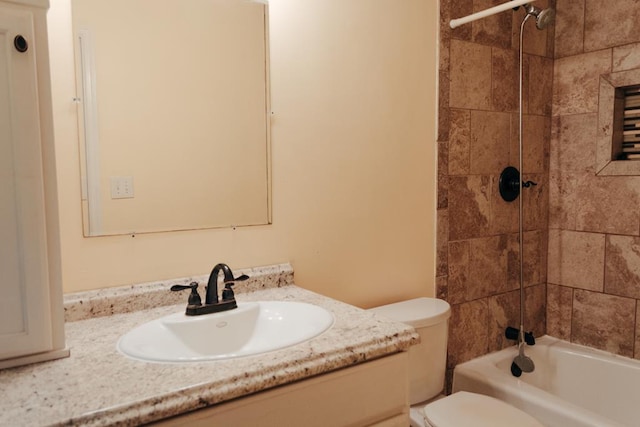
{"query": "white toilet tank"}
pixel 427 360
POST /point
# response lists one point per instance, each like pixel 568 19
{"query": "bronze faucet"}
pixel 211 302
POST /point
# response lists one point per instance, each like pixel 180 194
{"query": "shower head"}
pixel 544 17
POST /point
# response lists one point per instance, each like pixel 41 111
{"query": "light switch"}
pixel 121 187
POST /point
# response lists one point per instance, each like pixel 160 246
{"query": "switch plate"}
pixel 121 187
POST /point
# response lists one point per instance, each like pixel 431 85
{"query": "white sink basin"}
pixel 252 328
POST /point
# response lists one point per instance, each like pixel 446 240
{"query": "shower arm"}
pixel 454 23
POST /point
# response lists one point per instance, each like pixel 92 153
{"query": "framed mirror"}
pixel 173 100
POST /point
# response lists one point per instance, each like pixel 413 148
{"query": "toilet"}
pixel 427 365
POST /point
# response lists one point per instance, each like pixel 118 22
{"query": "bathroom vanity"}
pixel 355 373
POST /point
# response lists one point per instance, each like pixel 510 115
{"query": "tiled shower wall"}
pixel 594 238
pixel 477 268
pixel 587 225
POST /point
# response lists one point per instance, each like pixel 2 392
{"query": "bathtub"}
pixel 572 385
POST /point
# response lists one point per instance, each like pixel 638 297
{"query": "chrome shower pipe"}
pixel 520 168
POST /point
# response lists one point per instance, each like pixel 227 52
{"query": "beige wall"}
pixel 353 131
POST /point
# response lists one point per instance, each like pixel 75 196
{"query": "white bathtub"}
pixel 572 385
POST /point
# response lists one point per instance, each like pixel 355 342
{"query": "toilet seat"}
pixel 470 409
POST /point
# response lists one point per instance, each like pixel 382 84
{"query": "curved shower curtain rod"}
pixel 488 12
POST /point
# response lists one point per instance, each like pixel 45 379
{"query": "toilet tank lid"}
pixel 418 312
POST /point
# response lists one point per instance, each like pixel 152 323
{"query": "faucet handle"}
pixel 237 279
pixel 227 292
pixel 194 296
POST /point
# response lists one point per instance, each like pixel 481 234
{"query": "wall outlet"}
pixel 121 187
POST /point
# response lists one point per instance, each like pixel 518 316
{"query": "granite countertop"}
pixel 97 386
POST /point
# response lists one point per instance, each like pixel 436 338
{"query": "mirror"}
pixel 173 102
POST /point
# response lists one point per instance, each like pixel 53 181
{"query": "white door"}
pixel 25 318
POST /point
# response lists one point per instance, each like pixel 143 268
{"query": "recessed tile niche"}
pixel 611 124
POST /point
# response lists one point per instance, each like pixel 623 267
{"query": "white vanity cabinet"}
pixel 31 314
pixel 374 393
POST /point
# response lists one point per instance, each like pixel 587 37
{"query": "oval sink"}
pixel 252 328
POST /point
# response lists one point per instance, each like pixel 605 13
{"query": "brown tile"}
pixel 493 30
pixel 460 142
pixel 444 114
pixel 535 202
pixel 574 148
pixel 514 144
pixel 490 135
pixel 442 242
pixel 513 261
pixel 445 35
pixel 551 33
pixel 504 215
pixel 576 82
pixel 477 268
pixel 569 32
pixel 467 332
pixel 536 132
pixel 622 267
pixel 504 81
pixel 487 267
pixel 443 191
pixel 442 287
pixel 443 158
pixel 458 271
pixel 540 82
pixel 525 83
pixel 604 321
pixel 443 175
pixel 504 311
pixel 536 137
pixel 608 205
pixel 469 206
pixel 562 194
pixel 559 309
pixel 576 259
pixel 626 57
pixel 610 24
pixel 470 75
pixel 535 313
pixel 544 254
pixel 547 144
pixel 637 347
pixel 534 248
